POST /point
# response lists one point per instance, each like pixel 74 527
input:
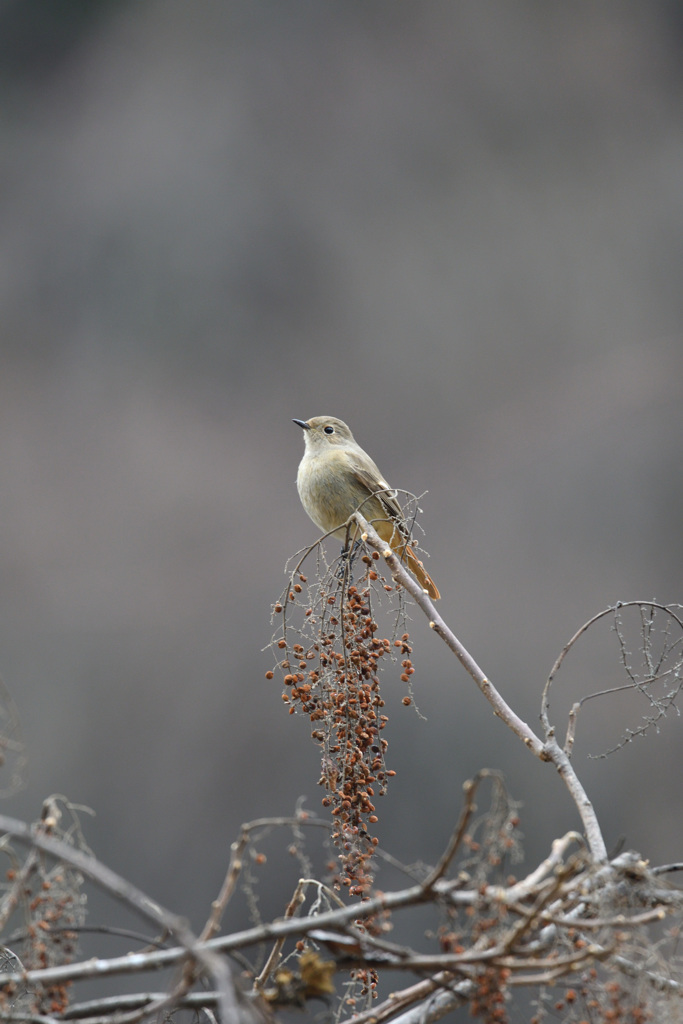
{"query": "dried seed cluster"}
pixel 55 906
pixel 489 999
pixel 52 907
pixel 331 674
pixel 341 697
pixel 596 999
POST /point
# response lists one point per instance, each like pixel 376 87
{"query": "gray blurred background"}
pixel 457 226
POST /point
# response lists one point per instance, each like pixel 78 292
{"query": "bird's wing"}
pixel 371 478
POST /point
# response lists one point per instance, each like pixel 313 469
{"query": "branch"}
pixel 548 751
pixel 448 996
pixel 470 789
pixel 551 863
pixel 237 849
pixel 422 599
pixel 276 952
pixel 134 897
pixel 133 963
pixel 102 1009
pixel 101 875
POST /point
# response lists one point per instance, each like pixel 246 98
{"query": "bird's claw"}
pixel 346 559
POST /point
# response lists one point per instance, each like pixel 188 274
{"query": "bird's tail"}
pixel 418 570
pixel 389 531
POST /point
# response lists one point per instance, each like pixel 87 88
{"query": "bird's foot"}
pixel 346 559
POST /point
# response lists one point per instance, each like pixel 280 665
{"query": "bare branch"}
pixel 436 622
pixel 139 901
pixel 237 849
pixel 101 875
pixel 548 751
pixel 470 789
pixel 276 952
pixel 442 994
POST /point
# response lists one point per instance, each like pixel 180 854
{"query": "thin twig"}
pixel 469 789
pixel 237 849
pixel 664 869
pixel 276 952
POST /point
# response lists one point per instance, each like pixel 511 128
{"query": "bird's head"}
pixel 322 432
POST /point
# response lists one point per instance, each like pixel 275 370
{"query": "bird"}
pixel 337 478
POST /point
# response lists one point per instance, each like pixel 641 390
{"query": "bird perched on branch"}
pixel 337 478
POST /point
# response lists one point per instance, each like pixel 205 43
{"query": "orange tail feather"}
pixel 419 572
pixel 389 532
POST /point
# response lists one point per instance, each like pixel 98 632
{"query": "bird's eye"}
pixel 328 430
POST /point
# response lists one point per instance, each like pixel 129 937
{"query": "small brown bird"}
pixel 337 478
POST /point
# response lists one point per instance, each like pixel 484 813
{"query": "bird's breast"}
pixel 328 489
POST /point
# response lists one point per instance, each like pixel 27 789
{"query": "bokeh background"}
pixel 457 226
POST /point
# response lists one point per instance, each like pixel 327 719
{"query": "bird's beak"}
pixel 302 423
